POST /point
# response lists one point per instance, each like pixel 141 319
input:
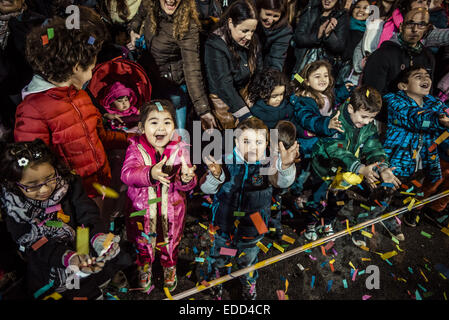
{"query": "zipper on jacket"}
pixel 87 134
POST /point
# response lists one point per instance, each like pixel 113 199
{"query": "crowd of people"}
pixel 100 96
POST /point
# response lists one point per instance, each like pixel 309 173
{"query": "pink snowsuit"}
pixel 165 217
pixel 391 26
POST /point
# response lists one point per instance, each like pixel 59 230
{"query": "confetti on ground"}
pixel 417 295
pixel 280 294
pixel 329 285
pixel 82 240
pixel 278 247
pixel 228 252
pixel 388 255
pixel 425 234
pixel 313 282
pixel 366 297
pixel 259 223
pixel 288 239
pixel 345 284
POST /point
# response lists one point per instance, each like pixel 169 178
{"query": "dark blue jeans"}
pixel 217 262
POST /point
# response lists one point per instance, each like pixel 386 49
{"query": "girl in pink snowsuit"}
pixel 158 173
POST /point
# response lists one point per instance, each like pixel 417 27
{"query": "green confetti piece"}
pixel 422 288
pixel 395 240
pixel 427 294
pixel 239 214
pixel 345 284
pixel 425 234
pixel 388 262
pixel 138 213
pixel 425 123
pixel 156 200
pixel 55 224
pixel 50 33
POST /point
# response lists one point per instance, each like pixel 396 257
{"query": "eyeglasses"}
pixel 419 25
pixel 52 181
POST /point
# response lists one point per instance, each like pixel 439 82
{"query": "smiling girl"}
pixel 157 165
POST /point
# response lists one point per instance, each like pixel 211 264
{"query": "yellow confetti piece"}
pixel 410 206
pixel 108 240
pixel 442 137
pixel 63 217
pixel 402 279
pixel 262 247
pixel 442 276
pixel 288 239
pixel 400 250
pixel 229 264
pixel 364 248
pixel 105 191
pixel 286 285
pixel 367 93
pixel 424 276
pixel 366 259
pixel 188 273
pixel 388 255
pixel 82 240
pixel 445 231
pixel 236 223
pixel 352 266
pixel 414 154
pixel 167 293
pixel 340 203
pixel 278 247
pixel 139 226
pixel 202 226
pixel 54 296
pixel 332 261
pixel 242 254
pixel 272 229
pixel 367 234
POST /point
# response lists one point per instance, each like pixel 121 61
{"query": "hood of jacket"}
pixel 37 84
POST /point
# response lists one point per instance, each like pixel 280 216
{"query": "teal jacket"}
pixel 348 150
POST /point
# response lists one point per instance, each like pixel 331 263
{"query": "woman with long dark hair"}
pixel 232 56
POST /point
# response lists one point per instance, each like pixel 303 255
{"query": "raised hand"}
pixel 370 175
pixel 288 156
pixel 388 176
pixel 158 174
pixel 335 123
pixel 322 29
pixel 331 26
pixel 213 166
pixel 132 44
pixel 187 173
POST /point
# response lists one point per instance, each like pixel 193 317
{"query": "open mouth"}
pixel 170 5
pixel 425 85
pixel 160 137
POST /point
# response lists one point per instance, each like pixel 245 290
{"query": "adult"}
pixel 321 33
pixel 232 56
pixel 172 60
pixel 274 32
pixel 402 51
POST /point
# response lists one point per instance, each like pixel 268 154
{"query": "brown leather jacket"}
pixel 176 60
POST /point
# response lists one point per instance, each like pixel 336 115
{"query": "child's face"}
pixel 39 181
pixel 121 104
pixel 276 97
pixel 269 17
pixel 361 117
pixel 419 83
pixel 159 128
pixel 81 76
pixel 252 144
pixel 319 79
pixel 169 6
pixel 360 11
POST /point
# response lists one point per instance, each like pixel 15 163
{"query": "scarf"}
pixel 412 51
pixel 357 25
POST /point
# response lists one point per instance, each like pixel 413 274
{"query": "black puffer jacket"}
pixel 275 43
pixel 306 33
pixel 224 76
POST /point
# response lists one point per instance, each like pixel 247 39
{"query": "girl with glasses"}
pixel 43 204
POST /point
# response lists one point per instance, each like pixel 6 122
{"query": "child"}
pixel 119 103
pixel 57 110
pixel 268 92
pixel 356 150
pixel 313 107
pixel 415 120
pixel 37 190
pixel 243 192
pixel 157 166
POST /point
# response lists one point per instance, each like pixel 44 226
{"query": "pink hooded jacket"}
pixel 169 212
pixel 391 26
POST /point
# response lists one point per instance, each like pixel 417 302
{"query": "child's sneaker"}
pixel 170 278
pixel 217 292
pixel 410 218
pixel 249 291
pixel 394 229
pixel 310 233
pixel 358 239
pixel 144 274
pixel 328 230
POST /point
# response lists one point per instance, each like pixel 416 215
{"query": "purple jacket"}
pixel 170 211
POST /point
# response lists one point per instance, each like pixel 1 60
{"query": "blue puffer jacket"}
pixel 272 115
pixel 310 124
pixel 413 128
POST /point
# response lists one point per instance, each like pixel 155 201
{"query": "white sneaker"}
pixel 310 233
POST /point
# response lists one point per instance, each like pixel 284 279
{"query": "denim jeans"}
pixel 217 262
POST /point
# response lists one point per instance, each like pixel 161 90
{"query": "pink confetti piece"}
pixel 329 245
pixel 398 220
pixel 54 208
pixel 312 257
pixel 228 252
pixel 354 274
pixel 280 294
pixel 366 297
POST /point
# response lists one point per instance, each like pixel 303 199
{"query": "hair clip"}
pixel 44 40
pixel 91 40
pixel 159 106
pixel 37 155
pixel 50 33
pixel 23 162
pixel 299 78
pixel 367 93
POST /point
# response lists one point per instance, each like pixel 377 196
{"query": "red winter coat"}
pixel 66 120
